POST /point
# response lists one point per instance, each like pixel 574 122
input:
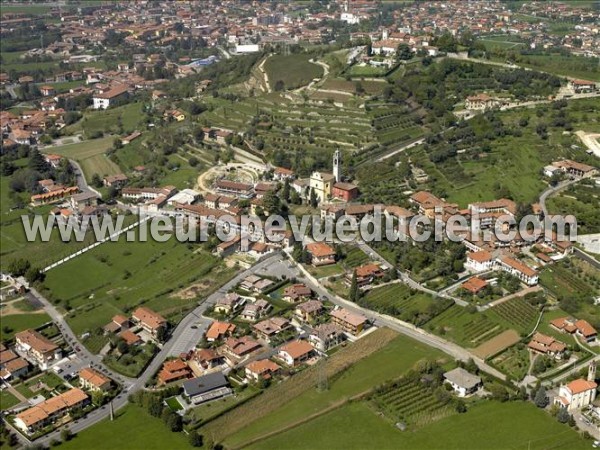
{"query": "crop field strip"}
pixel 518 312
pixel 408 401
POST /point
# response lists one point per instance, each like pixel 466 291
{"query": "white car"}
pixel 596 444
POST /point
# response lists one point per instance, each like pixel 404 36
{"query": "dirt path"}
pixel 9 308
pixel 590 140
pixel 265 75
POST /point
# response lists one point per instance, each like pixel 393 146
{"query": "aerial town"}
pixel 336 224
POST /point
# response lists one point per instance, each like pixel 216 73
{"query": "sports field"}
pixel 488 425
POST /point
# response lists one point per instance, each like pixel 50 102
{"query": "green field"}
pixel 117 276
pixel 120 120
pixel 489 425
pixel 134 428
pixel 90 155
pixel 294 70
pixel 469 330
pixel 20 322
pixel 391 361
pixel 570 65
pixel 399 300
pixel 581 200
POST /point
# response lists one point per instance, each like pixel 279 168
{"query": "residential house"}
pixel 242 190
pixel 174 370
pixel 546 345
pixel 474 285
pixel 296 352
pixel 93 380
pixel 523 272
pixel 219 330
pixel 40 349
pixel 236 349
pixel 149 320
pixel 365 274
pixel 349 322
pixel 575 168
pixel 309 310
pixel 345 191
pixel 109 98
pixel 296 293
pixel 130 337
pixel 263 369
pixel 269 328
pixel 50 410
pixel 480 261
pixel 255 310
pixel 481 102
pixel 463 382
pixel 207 358
pixel 14 369
pixel 326 336
pixel 321 253
pixel 117 324
pixel 118 181
pixel 80 201
pixel 228 304
pixel 206 388
pixel 579 327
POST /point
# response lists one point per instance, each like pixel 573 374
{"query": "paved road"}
pixel 367 249
pixel 405 328
pixel 81 181
pixel 181 340
pixel 553 190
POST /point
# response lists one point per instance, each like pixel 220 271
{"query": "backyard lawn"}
pixel 489 425
pixel 14 323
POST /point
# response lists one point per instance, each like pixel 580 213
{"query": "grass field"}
pixel 136 426
pixel 128 116
pixel 20 322
pixel 91 155
pixel 581 200
pixel 7 400
pixel 115 277
pixel 489 425
pixel 294 70
pixel 391 361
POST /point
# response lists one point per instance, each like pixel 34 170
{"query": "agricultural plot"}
pixel 411 402
pixel 518 313
pixel 370 87
pixel 514 361
pixel 497 344
pixel 355 257
pixel 291 70
pixel 407 304
pixel 561 281
pixel 113 279
pixel 91 155
pixel 464 328
pixel 487 425
pixel 391 357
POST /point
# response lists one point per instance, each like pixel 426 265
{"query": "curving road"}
pixel 183 338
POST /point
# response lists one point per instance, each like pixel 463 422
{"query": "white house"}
pixel 463 382
pixel 479 261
